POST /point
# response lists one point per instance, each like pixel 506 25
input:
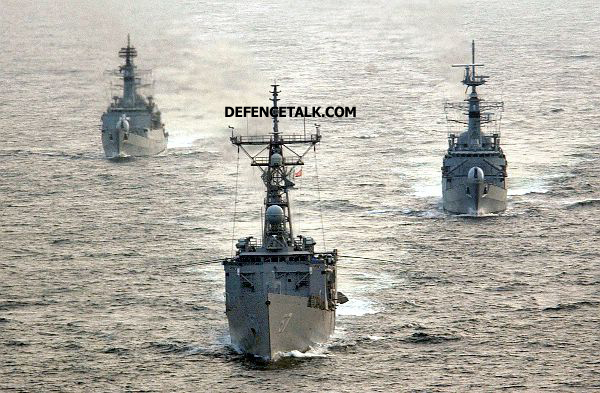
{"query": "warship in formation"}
pixel 474 168
pixel 132 126
pixel 280 294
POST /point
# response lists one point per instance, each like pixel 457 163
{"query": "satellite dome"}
pixel 123 124
pixel 476 174
pixel 276 159
pixel 275 214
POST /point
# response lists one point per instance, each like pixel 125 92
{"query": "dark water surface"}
pixel 100 286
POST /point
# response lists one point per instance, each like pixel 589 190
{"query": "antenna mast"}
pixel 128 71
pixel 277 174
pixel 474 105
pixel 471 78
pixel 128 53
pixel 275 100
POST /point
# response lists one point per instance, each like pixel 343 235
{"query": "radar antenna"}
pixel 471 78
pixel 128 52
pixel 128 71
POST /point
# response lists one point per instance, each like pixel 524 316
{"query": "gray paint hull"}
pixel 116 144
pixel 265 325
pixel 465 198
pixel 280 302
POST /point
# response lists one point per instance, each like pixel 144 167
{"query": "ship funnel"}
pixel 476 175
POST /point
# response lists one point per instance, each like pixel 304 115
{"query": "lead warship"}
pixel 281 294
pixel 132 126
pixel 474 169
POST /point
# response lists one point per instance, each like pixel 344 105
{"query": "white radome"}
pixel 276 159
pixel 123 124
pixel 275 214
pixel 476 174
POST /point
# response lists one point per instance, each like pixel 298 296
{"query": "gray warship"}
pixel 281 294
pixel 474 168
pixel 132 126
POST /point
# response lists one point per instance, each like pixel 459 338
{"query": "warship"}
pixel 132 126
pixel 280 294
pixel 474 168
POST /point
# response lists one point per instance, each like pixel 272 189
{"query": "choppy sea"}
pixel 101 282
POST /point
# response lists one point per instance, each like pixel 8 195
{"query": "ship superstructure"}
pixel 281 294
pixel 474 168
pixel 132 125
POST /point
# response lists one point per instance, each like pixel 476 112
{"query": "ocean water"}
pixel 104 279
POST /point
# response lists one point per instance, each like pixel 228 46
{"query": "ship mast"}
pixel 277 172
pixel 275 120
pixel 472 80
pixel 128 72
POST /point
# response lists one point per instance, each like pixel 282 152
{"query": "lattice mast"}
pixel 277 168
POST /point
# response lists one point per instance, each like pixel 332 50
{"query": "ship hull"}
pixel 474 199
pixel 266 325
pixel 118 143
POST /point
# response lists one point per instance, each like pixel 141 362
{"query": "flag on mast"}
pixel 298 173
